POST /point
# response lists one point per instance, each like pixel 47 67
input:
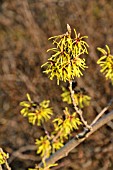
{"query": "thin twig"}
pixel 102 112
pixel 1 167
pixel 46 131
pixel 79 111
pixel 57 136
pixel 7 165
pixel 19 153
pixel 5 160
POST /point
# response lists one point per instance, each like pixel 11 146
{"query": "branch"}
pixel 5 161
pixel 102 112
pixel 79 111
pixel 1 167
pixel 20 153
pixel 64 151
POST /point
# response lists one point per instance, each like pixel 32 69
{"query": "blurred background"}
pixel 25 26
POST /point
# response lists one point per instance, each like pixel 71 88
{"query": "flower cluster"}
pixel 66 62
pixel 44 146
pixel 68 124
pixel 36 113
pixel 106 63
pixel 62 129
pixel 3 157
pixel 81 99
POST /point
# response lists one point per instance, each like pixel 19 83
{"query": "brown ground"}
pixel 25 27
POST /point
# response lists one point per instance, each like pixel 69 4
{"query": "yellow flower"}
pixel 106 63
pixel 44 147
pixel 65 62
pixel 36 113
